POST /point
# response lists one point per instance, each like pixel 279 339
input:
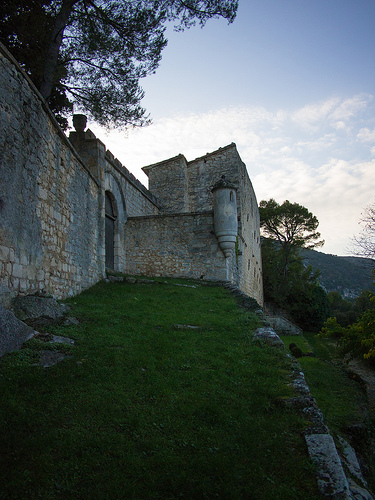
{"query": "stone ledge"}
pixel 332 480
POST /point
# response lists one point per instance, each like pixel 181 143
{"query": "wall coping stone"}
pixel 130 177
pixel 147 168
pixel 213 153
pixel 178 214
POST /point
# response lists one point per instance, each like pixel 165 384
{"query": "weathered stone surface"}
pixel 299 383
pixel 269 336
pixel 6 295
pixel 58 339
pixel 350 461
pixel 32 307
pixel 283 326
pixel 13 332
pixel 50 358
pixel 186 327
pixel 71 320
pixel 359 493
pixel 332 481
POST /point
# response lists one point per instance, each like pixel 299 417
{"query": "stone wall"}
pixel 176 245
pixel 168 182
pixel 52 218
pixel 50 239
pixel 138 200
pixel 192 192
pixel 249 259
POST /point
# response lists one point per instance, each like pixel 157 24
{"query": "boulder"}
pixel 13 332
pixel 37 311
pixel 269 336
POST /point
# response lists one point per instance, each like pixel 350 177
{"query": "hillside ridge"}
pixel 347 275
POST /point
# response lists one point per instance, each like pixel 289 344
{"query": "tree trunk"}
pixel 52 56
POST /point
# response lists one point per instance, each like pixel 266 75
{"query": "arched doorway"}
pixel 110 218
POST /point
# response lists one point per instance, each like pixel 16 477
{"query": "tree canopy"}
pixel 93 53
pixel 287 228
pixel 291 225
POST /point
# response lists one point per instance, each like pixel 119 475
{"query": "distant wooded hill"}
pixel 347 275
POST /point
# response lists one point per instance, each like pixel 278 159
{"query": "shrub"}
pixel 357 339
pixel 297 352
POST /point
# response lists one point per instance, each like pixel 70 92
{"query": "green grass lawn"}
pixel 341 399
pixel 144 409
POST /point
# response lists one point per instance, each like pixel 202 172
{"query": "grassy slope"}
pixel 144 410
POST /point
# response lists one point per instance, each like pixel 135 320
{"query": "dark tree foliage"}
pixel 298 292
pixel 291 225
pixel 25 28
pixel 341 309
pixel 96 51
pixel 287 282
pixel 347 312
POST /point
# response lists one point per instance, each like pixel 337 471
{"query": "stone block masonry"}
pixel 47 197
pixel 192 183
pixel 52 191
pixel 176 245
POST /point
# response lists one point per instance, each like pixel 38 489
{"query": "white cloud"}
pixel 311 114
pixel 334 112
pixel 350 107
pixel 313 164
pixel 366 135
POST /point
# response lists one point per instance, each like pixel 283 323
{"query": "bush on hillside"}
pixel 357 339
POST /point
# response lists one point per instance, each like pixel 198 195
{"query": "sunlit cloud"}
pixel 350 107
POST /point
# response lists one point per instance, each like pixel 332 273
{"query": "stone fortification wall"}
pixel 69 208
pixel 249 260
pixel 192 192
pixel 205 171
pixel 49 202
pixel 52 193
pixel 168 182
pixel 202 174
pixel 138 199
pixel 176 245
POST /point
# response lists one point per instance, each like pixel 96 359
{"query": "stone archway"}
pixel 110 220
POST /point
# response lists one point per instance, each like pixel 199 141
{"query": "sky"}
pixel 292 83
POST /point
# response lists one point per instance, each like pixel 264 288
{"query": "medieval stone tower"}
pixel 70 211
